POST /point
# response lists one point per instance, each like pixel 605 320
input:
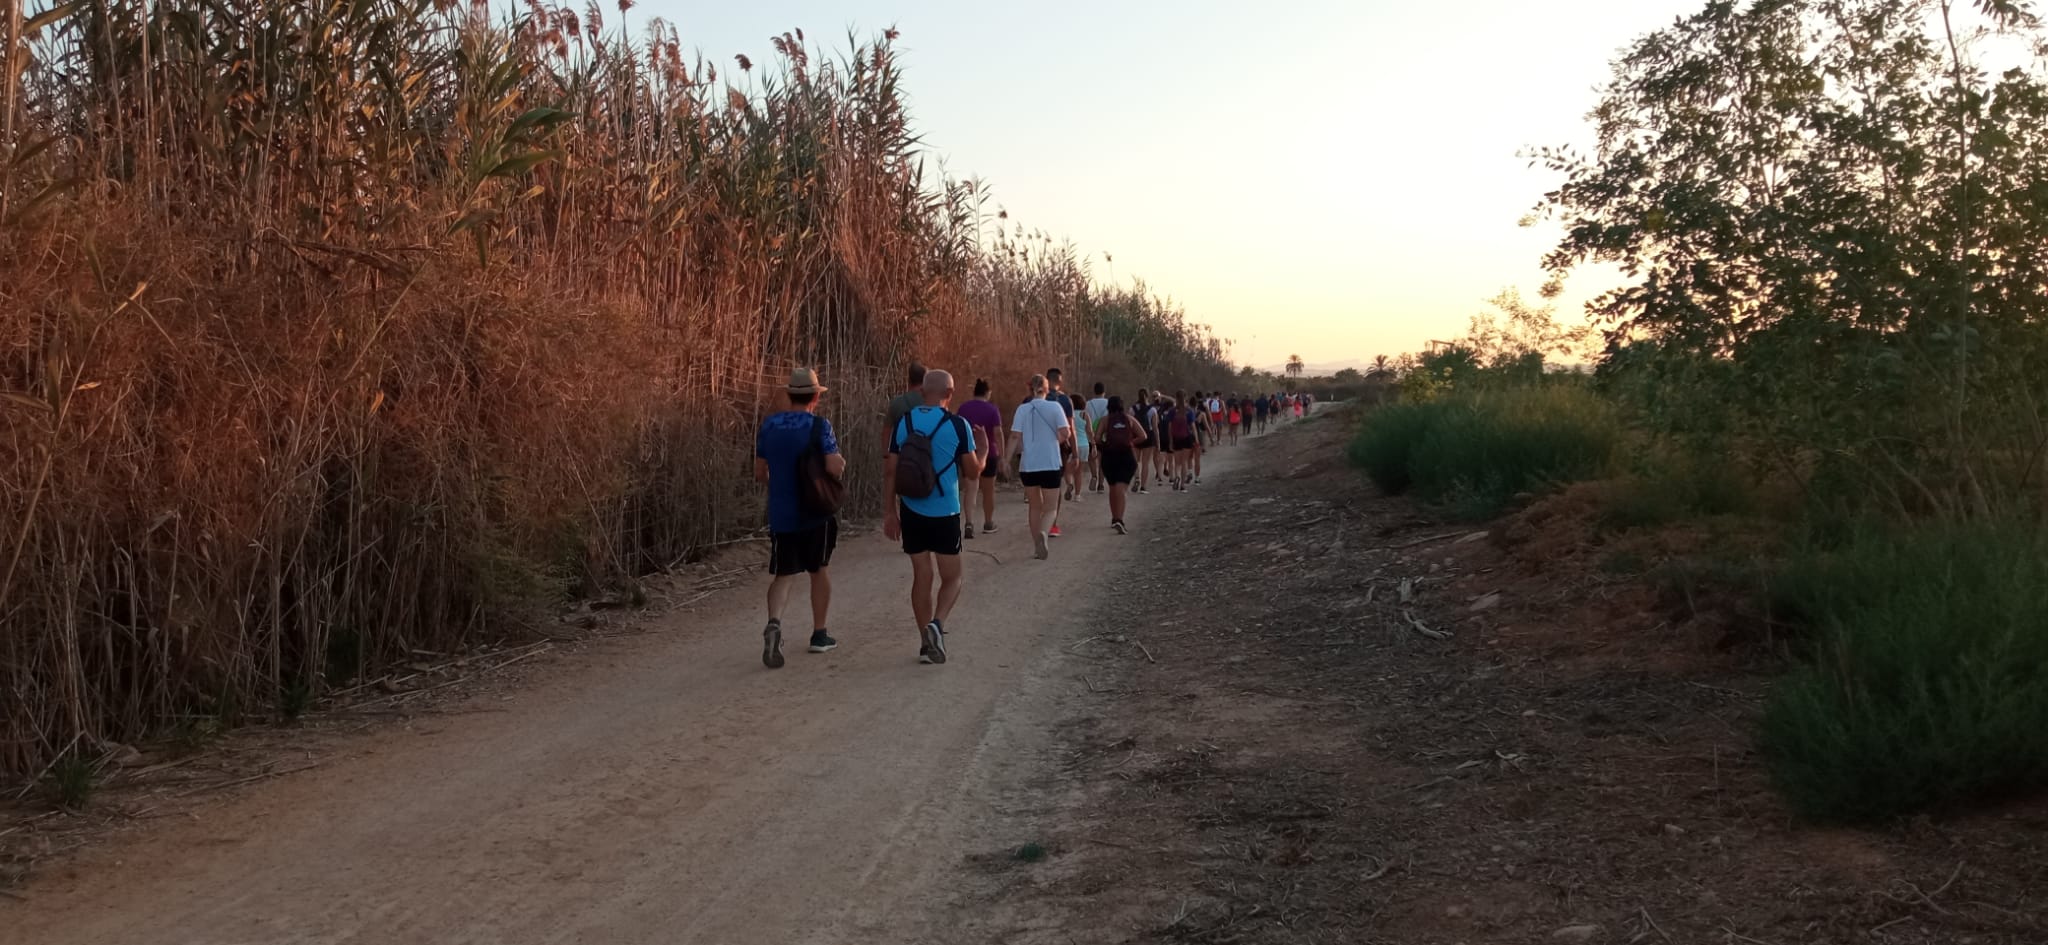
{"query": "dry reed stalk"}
pixel 441 316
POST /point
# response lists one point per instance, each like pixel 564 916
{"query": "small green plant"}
pixel 294 700
pixel 1030 853
pixel 71 781
pixel 1473 452
pixel 1926 684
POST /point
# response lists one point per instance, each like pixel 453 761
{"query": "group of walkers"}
pixel 939 462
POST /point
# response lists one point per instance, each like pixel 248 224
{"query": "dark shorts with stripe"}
pixel 805 552
pixel 923 534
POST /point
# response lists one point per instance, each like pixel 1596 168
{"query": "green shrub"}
pixel 1475 451
pixel 1388 438
pixel 1667 488
pixel 1928 680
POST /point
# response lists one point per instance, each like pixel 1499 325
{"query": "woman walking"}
pixel 1042 433
pixel 1121 437
pixel 986 418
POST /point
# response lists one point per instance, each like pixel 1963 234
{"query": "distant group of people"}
pixel 941 463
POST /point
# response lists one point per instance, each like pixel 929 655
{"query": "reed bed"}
pixel 334 330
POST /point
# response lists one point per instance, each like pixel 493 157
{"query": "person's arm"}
pixel 892 521
pixel 969 459
pixel 835 461
pixel 761 455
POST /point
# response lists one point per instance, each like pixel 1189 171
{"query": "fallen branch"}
pixel 1141 649
pixel 241 781
pixel 1425 631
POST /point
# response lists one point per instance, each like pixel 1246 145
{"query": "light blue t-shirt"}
pixel 951 441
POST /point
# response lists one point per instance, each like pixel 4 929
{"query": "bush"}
pixel 1928 682
pixel 1476 451
pixel 1387 440
pixel 1668 488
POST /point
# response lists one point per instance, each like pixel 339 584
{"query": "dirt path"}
pixel 665 788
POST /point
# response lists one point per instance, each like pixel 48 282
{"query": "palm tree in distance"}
pixel 1380 369
pixel 1294 365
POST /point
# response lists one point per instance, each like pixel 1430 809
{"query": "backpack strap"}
pixel 953 457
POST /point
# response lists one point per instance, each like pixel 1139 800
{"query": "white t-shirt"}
pixel 1098 411
pixel 1039 424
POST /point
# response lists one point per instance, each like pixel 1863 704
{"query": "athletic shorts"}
pixel 993 466
pixel 1119 466
pixel 804 552
pixel 923 534
pixel 1082 446
pixel 1184 444
pixel 1043 479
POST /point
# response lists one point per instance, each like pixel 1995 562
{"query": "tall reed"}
pixel 336 330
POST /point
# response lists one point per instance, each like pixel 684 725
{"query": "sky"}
pixel 1331 178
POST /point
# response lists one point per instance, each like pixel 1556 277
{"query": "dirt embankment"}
pixel 1350 722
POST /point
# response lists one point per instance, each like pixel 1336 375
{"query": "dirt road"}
pixel 665 788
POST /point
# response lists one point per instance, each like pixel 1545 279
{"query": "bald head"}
pixel 938 387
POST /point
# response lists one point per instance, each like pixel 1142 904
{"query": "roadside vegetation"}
pixel 1832 215
pixel 334 332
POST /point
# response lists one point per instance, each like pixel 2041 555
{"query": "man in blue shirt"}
pixel 929 525
pixel 799 541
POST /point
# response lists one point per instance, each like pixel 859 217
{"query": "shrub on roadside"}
pixel 1928 682
pixel 1476 451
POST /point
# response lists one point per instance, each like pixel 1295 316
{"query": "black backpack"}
pixel 917 470
pixel 819 492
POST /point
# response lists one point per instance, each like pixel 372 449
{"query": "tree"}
pixel 1349 376
pixel 1382 369
pixel 1295 365
pixel 1830 213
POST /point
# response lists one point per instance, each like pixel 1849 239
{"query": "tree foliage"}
pixel 1833 217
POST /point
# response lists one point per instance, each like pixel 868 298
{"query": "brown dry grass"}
pixel 331 332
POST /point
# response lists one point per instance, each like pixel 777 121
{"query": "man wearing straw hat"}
pixel 800 541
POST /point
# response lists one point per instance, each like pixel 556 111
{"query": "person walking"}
pixel 907 400
pixel 990 445
pixel 1070 470
pixel 1180 424
pixel 1042 429
pixel 1148 450
pixel 801 535
pixel 1261 407
pixel 1120 439
pixel 930 453
pixel 1234 422
pixel 1098 411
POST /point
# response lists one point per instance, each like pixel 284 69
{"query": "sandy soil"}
pixel 660 788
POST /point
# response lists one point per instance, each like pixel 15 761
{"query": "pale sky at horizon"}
pixel 1332 179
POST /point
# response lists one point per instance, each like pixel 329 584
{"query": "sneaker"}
pixel 1038 547
pixel 1119 526
pixel 934 644
pixel 924 654
pixel 969 533
pixel 771 645
pixel 988 528
pixel 822 642
pixel 1053 532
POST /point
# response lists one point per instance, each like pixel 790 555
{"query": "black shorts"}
pixel 1119 467
pixel 1185 444
pixel 923 534
pixel 1044 479
pixel 804 552
pixel 993 466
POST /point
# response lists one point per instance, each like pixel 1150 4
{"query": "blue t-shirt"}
pixel 782 441
pixel 948 448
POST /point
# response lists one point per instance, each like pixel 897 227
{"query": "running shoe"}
pixel 822 642
pixel 988 528
pixel 1053 532
pixel 771 645
pixel 924 653
pixel 969 533
pixel 1119 526
pixel 934 643
pixel 1038 546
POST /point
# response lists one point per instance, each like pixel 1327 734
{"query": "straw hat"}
pixel 803 380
